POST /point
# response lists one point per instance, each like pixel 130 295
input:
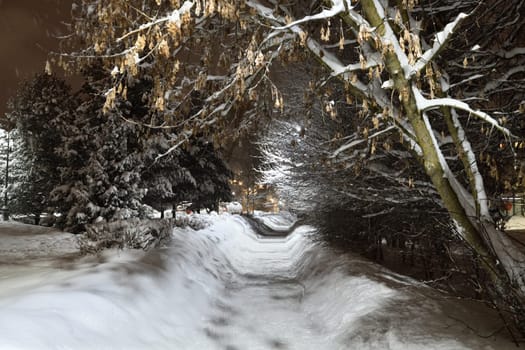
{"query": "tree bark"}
pixel 430 157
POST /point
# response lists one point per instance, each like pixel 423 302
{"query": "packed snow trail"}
pixel 225 287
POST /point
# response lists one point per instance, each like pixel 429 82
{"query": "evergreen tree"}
pixel 211 176
pixel 27 187
pixel 162 174
pixel 40 108
pixel 194 172
pixel 103 153
pixel 112 162
pixel 5 144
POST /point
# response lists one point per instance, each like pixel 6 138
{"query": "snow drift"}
pixel 225 287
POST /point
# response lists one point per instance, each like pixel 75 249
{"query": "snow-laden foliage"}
pixel 443 78
pixel 41 107
pixel 297 159
pixel 115 163
pixel 26 184
pixel 85 163
pixel 19 194
pixel 195 173
pixel 133 233
pixel 101 172
pixel 161 174
pixel 5 145
pixel 211 176
pixel 392 69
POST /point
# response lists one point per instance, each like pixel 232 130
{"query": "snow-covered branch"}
pixel 445 86
pixel 440 41
pixel 466 147
pixel 328 59
pixel 494 84
pixel 337 8
pixel 512 53
pixel 174 17
pixel 465 197
pixel 424 104
pixel 373 60
pixel 354 143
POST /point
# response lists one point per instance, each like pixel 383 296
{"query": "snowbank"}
pixel 224 288
pixel 21 243
pixel 281 222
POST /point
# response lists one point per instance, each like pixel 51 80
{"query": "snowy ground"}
pixel 22 243
pixel 225 288
pixel 516 223
pixel 283 222
pixel 30 255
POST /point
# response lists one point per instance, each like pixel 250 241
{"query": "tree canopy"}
pixel 441 79
pixel 83 163
pixel 39 110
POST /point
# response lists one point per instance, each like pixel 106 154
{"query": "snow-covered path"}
pixel 226 288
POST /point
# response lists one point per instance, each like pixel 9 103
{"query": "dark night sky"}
pixel 27 31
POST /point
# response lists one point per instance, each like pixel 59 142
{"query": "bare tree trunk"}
pixel 480 236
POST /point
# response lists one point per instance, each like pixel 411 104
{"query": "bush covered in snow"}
pixel 136 233
pixel 233 207
pixel 132 233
